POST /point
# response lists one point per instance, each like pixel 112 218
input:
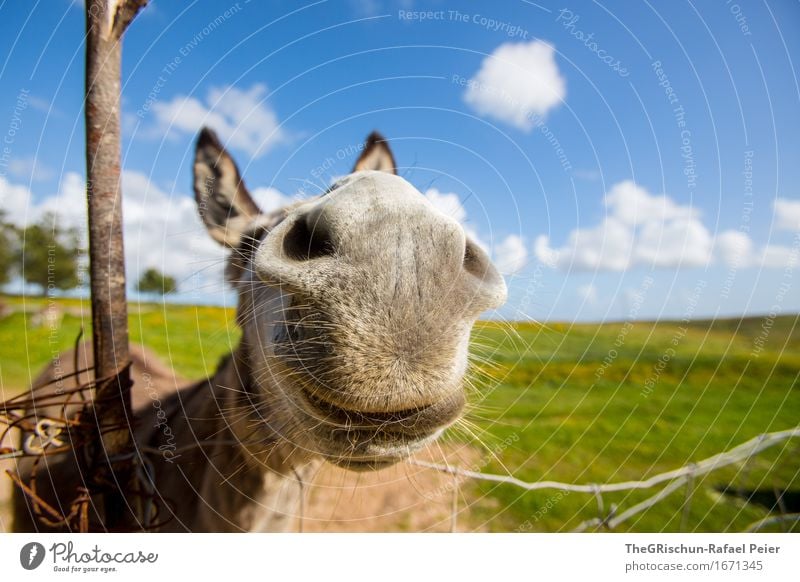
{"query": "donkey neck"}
pixel 221 461
pixel 234 416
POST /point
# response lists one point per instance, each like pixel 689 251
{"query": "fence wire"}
pixel 673 480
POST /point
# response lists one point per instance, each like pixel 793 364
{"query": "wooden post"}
pixel 106 21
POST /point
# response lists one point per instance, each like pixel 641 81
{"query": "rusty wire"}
pixel 77 431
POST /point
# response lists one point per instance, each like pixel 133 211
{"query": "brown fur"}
pixel 191 446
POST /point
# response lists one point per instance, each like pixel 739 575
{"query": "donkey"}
pixel 355 308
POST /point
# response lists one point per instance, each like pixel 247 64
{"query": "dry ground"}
pixel 402 498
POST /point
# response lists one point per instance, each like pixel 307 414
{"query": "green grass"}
pixel 567 422
pixel 190 338
pixel 554 403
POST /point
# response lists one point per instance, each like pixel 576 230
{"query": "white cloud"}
pixel 642 229
pixel 241 117
pixel 447 203
pixel 510 255
pixel 172 240
pixel 639 229
pixel 516 83
pixel 605 247
pixel 162 229
pixel 69 203
pixel 269 198
pixel 787 214
pixel 588 293
pixel 734 248
pixel 684 242
pixel 633 205
pixel 777 257
pixel 544 253
pixel 15 201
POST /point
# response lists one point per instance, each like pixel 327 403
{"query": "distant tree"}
pixel 8 248
pixel 49 255
pixel 154 281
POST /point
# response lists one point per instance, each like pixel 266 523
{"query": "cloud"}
pixel 588 293
pixel 447 203
pixel 787 214
pixel 15 201
pixel 172 240
pixel 269 198
pixel 633 205
pixel 43 105
pixel 511 255
pixel 606 247
pixel 647 230
pixel 544 253
pixel 162 229
pixel 736 249
pixel 240 116
pixel 517 83
pixel 69 203
pixel 683 242
pixel 777 257
pixel 640 229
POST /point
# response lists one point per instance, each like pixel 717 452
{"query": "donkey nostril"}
pixel 304 242
pixel 472 260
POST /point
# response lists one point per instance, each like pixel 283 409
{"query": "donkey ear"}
pixel 223 201
pixel 376 155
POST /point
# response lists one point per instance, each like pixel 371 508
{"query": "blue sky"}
pixel 619 159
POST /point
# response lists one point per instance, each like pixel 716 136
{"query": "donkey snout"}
pixel 296 250
pixel 411 422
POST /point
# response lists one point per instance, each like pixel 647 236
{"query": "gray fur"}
pixel 356 309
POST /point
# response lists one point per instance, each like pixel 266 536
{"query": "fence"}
pixel 47 434
pixel 672 480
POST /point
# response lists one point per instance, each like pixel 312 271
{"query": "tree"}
pixel 49 255
pixel 8 249
pixel 156 282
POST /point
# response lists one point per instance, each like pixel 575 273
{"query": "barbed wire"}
pixel 46 436
pixel 674 480
pixel 772 520
pixel 53 421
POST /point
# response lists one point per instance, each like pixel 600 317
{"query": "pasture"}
pixel 578 403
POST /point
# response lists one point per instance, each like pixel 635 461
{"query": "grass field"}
pixel 584 403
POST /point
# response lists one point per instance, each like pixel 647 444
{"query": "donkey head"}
pixel 356 307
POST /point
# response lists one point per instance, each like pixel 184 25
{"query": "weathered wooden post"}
pixel 106 21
